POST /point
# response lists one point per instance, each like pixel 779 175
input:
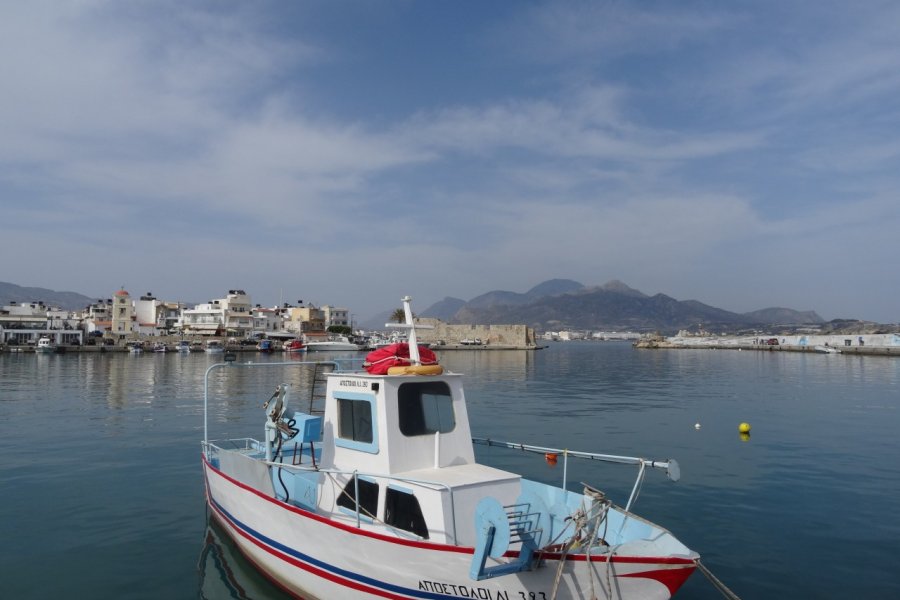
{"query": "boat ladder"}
pixel 317 390
pixel 499 526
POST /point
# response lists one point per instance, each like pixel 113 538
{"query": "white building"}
pixel 22 324
pixel 149 315
pixel 237 311
pixel 336 316
pixel 231 315
pixel 97 317
pixel 267 320
pixel 204 319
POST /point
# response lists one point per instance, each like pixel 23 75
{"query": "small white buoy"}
pixel 697 426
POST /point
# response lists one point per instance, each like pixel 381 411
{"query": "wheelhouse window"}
pixel 368 497
pixel 401 510
pixel 355 420
pixel 425 408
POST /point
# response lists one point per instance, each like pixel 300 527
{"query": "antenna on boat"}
pixel 411 326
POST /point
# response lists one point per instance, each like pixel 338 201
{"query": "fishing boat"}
pixel 45 346
pixel 214 347
pixel 135 347
pixel 377 494
pixel 183 346
pixel 265 345
pixel 160 347
pixel 339 343
pixel 294 345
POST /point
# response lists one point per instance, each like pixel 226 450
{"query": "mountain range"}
pixel 560 304
pixel 10 292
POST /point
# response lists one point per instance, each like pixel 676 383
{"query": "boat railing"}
pixel 338 365
pixel 670 466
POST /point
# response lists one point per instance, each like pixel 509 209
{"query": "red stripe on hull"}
pixel 671 578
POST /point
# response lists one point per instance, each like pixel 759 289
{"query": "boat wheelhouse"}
pixel 45 346
pixel 377 494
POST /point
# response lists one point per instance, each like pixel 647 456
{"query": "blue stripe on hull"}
pixel 389 587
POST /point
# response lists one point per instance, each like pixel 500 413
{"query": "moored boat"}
pixel 45 346
pixel 183 346
pixel 377 494
pixel 826 349
pixel 160 347
pixel 214 347
pixel 339 343
pixel 295 345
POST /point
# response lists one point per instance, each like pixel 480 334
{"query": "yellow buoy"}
pixel 744 427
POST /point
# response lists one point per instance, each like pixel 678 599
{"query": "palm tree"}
pixel 398 316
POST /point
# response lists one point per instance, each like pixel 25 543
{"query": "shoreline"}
pixel 855 350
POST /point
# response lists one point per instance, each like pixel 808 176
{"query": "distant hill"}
pixel 554 287
pixel 613 306
pixel 444 310
pixel 784 316
pixel 10 292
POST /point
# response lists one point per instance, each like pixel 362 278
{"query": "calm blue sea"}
pixel 101 494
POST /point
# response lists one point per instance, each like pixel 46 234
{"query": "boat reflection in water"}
pixel 226 574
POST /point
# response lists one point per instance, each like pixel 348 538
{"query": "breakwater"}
pixel 731 345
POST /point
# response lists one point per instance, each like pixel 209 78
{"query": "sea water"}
pixel 101 491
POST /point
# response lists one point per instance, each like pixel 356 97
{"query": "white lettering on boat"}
pixel 464 591
pixel 353 383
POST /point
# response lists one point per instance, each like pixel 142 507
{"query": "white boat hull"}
pixel 331 347
pixel 312 556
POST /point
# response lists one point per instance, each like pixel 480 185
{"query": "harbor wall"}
pixel 887 344
pixel 445 335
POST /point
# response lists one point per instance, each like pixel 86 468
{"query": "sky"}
pixel 743 154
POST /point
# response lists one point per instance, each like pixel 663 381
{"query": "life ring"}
pixel 416 370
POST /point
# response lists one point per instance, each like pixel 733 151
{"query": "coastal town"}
pixel 124 322
pixel 145 322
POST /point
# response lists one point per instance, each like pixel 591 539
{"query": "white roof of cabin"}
pixel 461 475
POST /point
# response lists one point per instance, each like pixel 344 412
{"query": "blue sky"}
pixel 744 154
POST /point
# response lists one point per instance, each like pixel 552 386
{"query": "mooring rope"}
pixel 583 522
pixel 723 589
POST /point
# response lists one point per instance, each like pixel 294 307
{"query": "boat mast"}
pixel 412 342
pixel 411 336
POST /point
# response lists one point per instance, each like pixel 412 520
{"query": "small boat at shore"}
pixel 826 349
pixel 45 346
pixel 338 343
pixel 378 494
pixel 183 346
pixel 294 346
pixel 214 347
pixel 160 347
